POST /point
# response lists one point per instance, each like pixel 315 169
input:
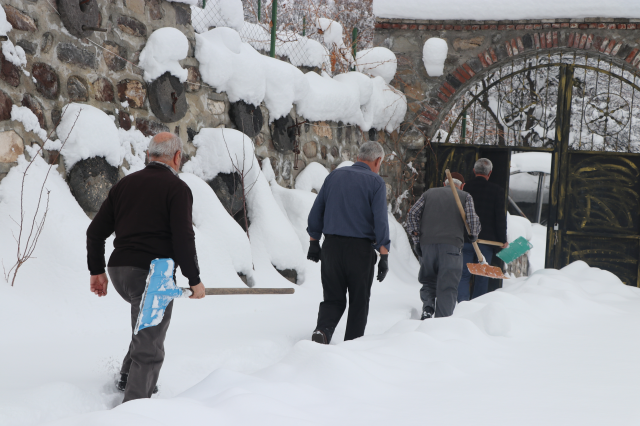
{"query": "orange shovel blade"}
pixel 486 270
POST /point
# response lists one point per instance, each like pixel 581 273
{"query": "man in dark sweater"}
pixel 489 199
pixel 150 213
pixel 351 211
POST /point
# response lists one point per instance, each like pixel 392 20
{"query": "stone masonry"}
pixel 100 70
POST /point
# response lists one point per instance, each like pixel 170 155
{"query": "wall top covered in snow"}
pixel 504 9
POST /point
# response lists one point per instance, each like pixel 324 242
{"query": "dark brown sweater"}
pixel 150 212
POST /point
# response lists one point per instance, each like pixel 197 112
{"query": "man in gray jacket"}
pixel 437 229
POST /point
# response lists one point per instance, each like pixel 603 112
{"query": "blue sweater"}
pixel 352 203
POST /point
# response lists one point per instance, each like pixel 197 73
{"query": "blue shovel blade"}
pixel 159 292
pixel 516 249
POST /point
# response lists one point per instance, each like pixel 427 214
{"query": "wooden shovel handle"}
pixel 490 243
pixel 230 291
pixel 463 214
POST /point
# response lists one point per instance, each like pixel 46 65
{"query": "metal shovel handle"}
pixel 464 216
pixel 235 291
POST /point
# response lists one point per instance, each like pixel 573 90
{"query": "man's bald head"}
pixel 164 146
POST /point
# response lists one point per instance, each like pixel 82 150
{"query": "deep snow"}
pixel 555 349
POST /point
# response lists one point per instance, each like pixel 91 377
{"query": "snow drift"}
pixel 272 236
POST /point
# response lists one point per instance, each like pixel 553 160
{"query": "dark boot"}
pixel 320 336
pixel 427 313
pixel 121 384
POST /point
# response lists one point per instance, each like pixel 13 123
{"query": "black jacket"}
pixel 150 213
pixel 489 202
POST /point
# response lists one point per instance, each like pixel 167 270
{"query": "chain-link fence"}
pixel 296 39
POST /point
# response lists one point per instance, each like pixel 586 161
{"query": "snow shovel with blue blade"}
pixel 516 249
pixel 161 290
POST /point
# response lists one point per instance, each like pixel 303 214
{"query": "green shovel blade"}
pixel 515 250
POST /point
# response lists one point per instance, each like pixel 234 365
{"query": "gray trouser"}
pixel 440 271
pixel 146 351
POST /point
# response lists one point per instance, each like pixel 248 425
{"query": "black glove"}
pixel 314 251
pixel 383 266
pixel 417 250
pixel 473 238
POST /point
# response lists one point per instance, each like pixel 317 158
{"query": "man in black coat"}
pixel 150 212
pixel 489 203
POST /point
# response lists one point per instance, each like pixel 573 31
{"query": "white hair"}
pixel 165 149
pixel 456 182
pixel 370 151
pixel 483 167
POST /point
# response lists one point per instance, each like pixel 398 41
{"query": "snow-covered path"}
pixel 557 348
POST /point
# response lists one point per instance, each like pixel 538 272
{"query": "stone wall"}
pixel 99 68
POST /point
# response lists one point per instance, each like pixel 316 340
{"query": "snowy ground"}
pixel 555 349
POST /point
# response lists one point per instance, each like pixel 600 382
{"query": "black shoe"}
pixel 319 336
pixel 121 385
pixel 427 313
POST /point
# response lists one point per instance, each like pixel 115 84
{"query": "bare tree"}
pixel 239 169
pixel 25 249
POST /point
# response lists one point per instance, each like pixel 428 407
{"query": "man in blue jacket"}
pixel 351 212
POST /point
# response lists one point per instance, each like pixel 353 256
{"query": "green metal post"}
pixel 259 10
pixel 354 39
pixel 304 26
pixel 464 126
pixel 274 23
pixel 204 4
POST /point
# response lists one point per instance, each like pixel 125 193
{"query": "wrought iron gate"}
pixel 585 110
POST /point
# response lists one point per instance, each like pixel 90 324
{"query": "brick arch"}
pixel 441 100
pixel 613 39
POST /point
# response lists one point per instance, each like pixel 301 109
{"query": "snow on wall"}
pixel 271 232
pixel 12 53
pixel 312 177
pixel 218 13
pixel 377 62
pixel 504 9
pixel 215 225
pixel 229 65
pixel 134 146
pixel 28 120
pixel 434 53
pixel 164 48
pixel 301 51
pixel 93 135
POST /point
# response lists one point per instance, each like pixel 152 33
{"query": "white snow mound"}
pixel 94 134
pixel 164 48
pixel 434 53
pixel 377 62
pixel 272 235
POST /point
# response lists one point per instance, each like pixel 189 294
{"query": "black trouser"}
pixel 146 351
pixel 347 265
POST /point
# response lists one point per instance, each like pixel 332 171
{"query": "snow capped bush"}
pixel 434 54
pixel 94 135
pixel 164 48
pixel 377 62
